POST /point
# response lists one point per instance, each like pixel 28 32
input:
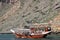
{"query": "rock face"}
pixel 30 11
pixel 56 24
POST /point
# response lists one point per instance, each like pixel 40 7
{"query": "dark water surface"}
pixel 9 36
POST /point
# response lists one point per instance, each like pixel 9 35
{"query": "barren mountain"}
pixel 23 12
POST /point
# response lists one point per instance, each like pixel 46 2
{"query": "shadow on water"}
pixel 47 38
pixel 23 39
pixel 12 37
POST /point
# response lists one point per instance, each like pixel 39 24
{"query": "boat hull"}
pixel 30 36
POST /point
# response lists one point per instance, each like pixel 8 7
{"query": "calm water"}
pixel 12 37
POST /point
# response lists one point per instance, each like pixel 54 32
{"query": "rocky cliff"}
pixel 24 12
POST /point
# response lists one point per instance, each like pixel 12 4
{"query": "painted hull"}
pixel 30 36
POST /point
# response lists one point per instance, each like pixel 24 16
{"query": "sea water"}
pixel 10 36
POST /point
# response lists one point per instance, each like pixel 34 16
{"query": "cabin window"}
pixel 8 1
pixel 3 1
pixel 0 0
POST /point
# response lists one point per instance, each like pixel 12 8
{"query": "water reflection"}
pixel 12 37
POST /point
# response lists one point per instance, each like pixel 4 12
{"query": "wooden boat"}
pixel 28 33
